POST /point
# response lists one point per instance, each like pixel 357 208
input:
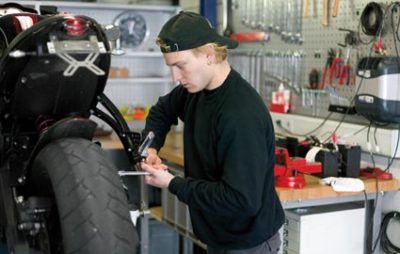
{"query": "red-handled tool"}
pixel 329 60
pixel 248 37
pixel 346 71
pixel 335 67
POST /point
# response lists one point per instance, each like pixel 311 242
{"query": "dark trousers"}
pixel 270 246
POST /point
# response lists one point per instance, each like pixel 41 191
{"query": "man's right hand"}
pixel 152 157
pixel 158 175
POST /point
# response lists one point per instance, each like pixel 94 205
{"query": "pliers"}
pixel 335 67
pixel 346 71
pixel 329 60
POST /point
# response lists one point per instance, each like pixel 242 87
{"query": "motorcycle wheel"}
pixel 91 206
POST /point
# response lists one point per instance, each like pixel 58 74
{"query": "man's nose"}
pixel 176 76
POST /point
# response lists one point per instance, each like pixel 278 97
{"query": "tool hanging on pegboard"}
pixel 347 75
pixel 285 18
pixel 335 8
pixel 260 36
pixel 325 13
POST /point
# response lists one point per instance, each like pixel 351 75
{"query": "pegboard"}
pixel 317 39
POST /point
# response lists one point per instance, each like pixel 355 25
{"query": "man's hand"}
pixel 152 157
pixel 159 176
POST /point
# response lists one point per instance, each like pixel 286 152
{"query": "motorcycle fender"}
pixel 74 127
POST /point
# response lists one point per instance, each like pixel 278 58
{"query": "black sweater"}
pixel 229 158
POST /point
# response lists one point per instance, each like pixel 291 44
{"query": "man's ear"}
pixel 210 53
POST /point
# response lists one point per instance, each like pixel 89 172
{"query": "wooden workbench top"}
pixel 173 152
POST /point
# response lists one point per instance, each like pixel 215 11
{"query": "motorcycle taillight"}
pixel 75 26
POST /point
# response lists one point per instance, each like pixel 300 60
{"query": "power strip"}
pixel 348 133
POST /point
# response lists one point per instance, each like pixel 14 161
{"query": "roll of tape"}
pixel 312 153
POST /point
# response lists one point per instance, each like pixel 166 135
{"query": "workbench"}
pixel 314 194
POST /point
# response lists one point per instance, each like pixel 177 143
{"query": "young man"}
pixel 228 142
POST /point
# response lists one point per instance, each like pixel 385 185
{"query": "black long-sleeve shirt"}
pixel 229 158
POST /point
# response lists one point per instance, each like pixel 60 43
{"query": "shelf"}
pixel 105 6
pixel 141 80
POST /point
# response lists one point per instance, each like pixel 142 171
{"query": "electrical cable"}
pixel 395 36
pixel 355 133
pixel 395 33
pixel 372 18
pixel 398 24
pixel 386 244
pixel 279 124
pixel 395 150
pixel 369 147
pixel 377 149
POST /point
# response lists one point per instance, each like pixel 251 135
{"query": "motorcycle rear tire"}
pixel 91 203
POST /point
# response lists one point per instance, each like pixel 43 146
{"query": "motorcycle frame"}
pixel 12 177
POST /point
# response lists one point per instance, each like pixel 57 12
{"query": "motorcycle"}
pixel 59 192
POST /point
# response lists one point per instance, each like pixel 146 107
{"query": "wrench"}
pixel 270 15
pixel 299 23
pixel 245 13
pixel 253 21
pixel 287 34
pixel 262 16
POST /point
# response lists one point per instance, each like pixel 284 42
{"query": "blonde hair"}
pixel 162 44
pixel 221 52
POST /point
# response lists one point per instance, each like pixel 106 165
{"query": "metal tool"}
pixel 329 61
pixel 142 150
pixel 245 12
pixel 346 72
pixel 133 173
pixel 253 20
pixel 290 12
pixel 262 15
pixel 285 8
pixel 270 14
pixel 335 67
pixel 299 23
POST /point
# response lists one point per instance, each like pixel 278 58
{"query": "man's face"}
pixel 190 70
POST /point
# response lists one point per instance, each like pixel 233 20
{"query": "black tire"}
pixel 92 206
